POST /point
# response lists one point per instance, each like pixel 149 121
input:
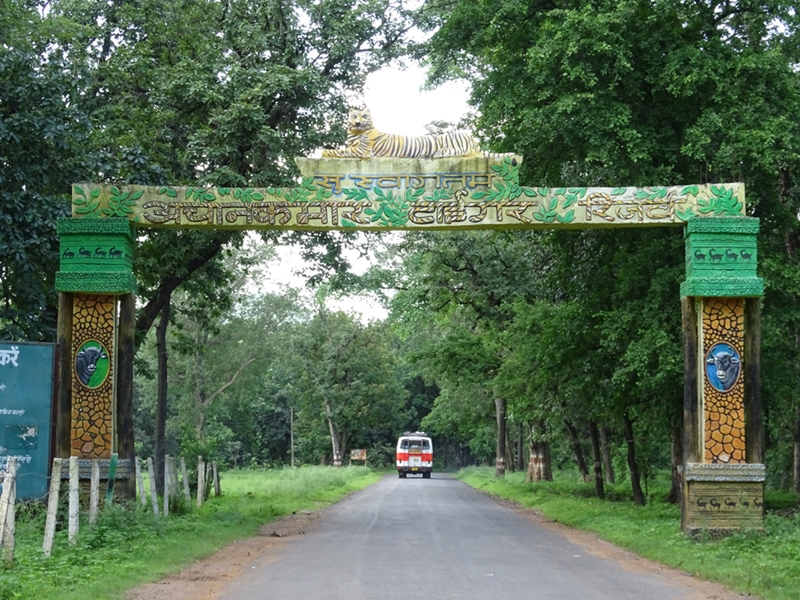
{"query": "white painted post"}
pixel 186 491
pixel 74 500
pixel 153 494
pixel 217 489
pixel 52 507
pixel 7 510
pixel 201 473
pixel 11 465
pixel 173 478
pixel 166 485
pixel 140 481
pixel 94 492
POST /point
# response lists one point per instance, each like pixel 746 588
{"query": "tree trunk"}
pixel 511 463
pixel 336 446
pixel 521 448
pixel 674 495
pixel 638 496
pixel 500 460
pixel 539 464
pixel 577 450
pixel 126 344
pixel 796 443
pixel 63 444
pixel 599 490
pixel 161 398
pixel 608 464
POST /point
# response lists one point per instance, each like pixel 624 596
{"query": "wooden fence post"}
pixel 167 491
pixel 74 499
pixel 94 492
pixel 201 472
pixel 217 489
pixel 140 481
pixel 7 510
pixel 151 472
pixel 186 491
pixel 207 482
pixel 173 478
pixel 52 507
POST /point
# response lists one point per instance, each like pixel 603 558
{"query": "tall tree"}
pixel 644 93
pixel 43 148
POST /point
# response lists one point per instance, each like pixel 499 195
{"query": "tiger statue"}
pixel 364 141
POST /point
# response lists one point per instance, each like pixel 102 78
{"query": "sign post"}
pixel 26 396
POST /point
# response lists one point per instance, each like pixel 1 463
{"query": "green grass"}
pixel 766 564
pixel 130 546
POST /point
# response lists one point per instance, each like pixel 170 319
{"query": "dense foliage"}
pixel 562 345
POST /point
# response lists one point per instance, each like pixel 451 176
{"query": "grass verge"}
pixel 130 546
pixel 766 564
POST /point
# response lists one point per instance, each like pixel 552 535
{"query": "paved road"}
pixel 415 539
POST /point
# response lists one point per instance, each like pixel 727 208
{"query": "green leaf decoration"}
pixel 690 190
pixel 413 195
pixel 560 191
pixel 355 194
pixel 544 216
pixel 618 191
pixel 685 215
pixel 478 195
pixel 391 211
pixel 568 217
pixel 87 206
pixel 169 192
pixel 223 191
pixel 543 192
pixel 529 192
pixel 347 223
pixel 579 192
pixel 721 203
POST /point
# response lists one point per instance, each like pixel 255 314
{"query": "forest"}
pixel 531 350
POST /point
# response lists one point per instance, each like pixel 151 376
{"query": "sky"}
pixel 398 106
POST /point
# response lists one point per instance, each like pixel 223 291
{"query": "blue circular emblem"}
pixel 723 366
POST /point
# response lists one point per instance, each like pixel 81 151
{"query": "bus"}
pixel 414 454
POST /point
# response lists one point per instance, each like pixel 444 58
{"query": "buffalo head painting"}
pixel 722 366
pixel 86 364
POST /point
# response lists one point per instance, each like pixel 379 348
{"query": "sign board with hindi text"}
pixel 26 395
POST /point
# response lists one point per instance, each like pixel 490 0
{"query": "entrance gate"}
pixel 723 470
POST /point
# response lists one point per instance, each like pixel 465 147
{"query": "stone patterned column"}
pixel 96 269
pixel 722 491
pixel 93 346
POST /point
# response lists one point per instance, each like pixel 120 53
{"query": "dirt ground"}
pixel 205 579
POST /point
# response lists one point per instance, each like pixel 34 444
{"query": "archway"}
pixel 723 467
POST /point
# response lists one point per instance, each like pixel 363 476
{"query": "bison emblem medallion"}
pixel 723 366
pixel 91 364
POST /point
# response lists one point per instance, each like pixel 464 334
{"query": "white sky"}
pixel 398 106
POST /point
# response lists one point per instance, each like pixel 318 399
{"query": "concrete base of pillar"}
pixel 721 499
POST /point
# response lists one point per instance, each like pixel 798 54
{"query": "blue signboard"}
pixel 26 395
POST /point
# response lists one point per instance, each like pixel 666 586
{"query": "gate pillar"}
pixel 95 280
pixel 723 470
